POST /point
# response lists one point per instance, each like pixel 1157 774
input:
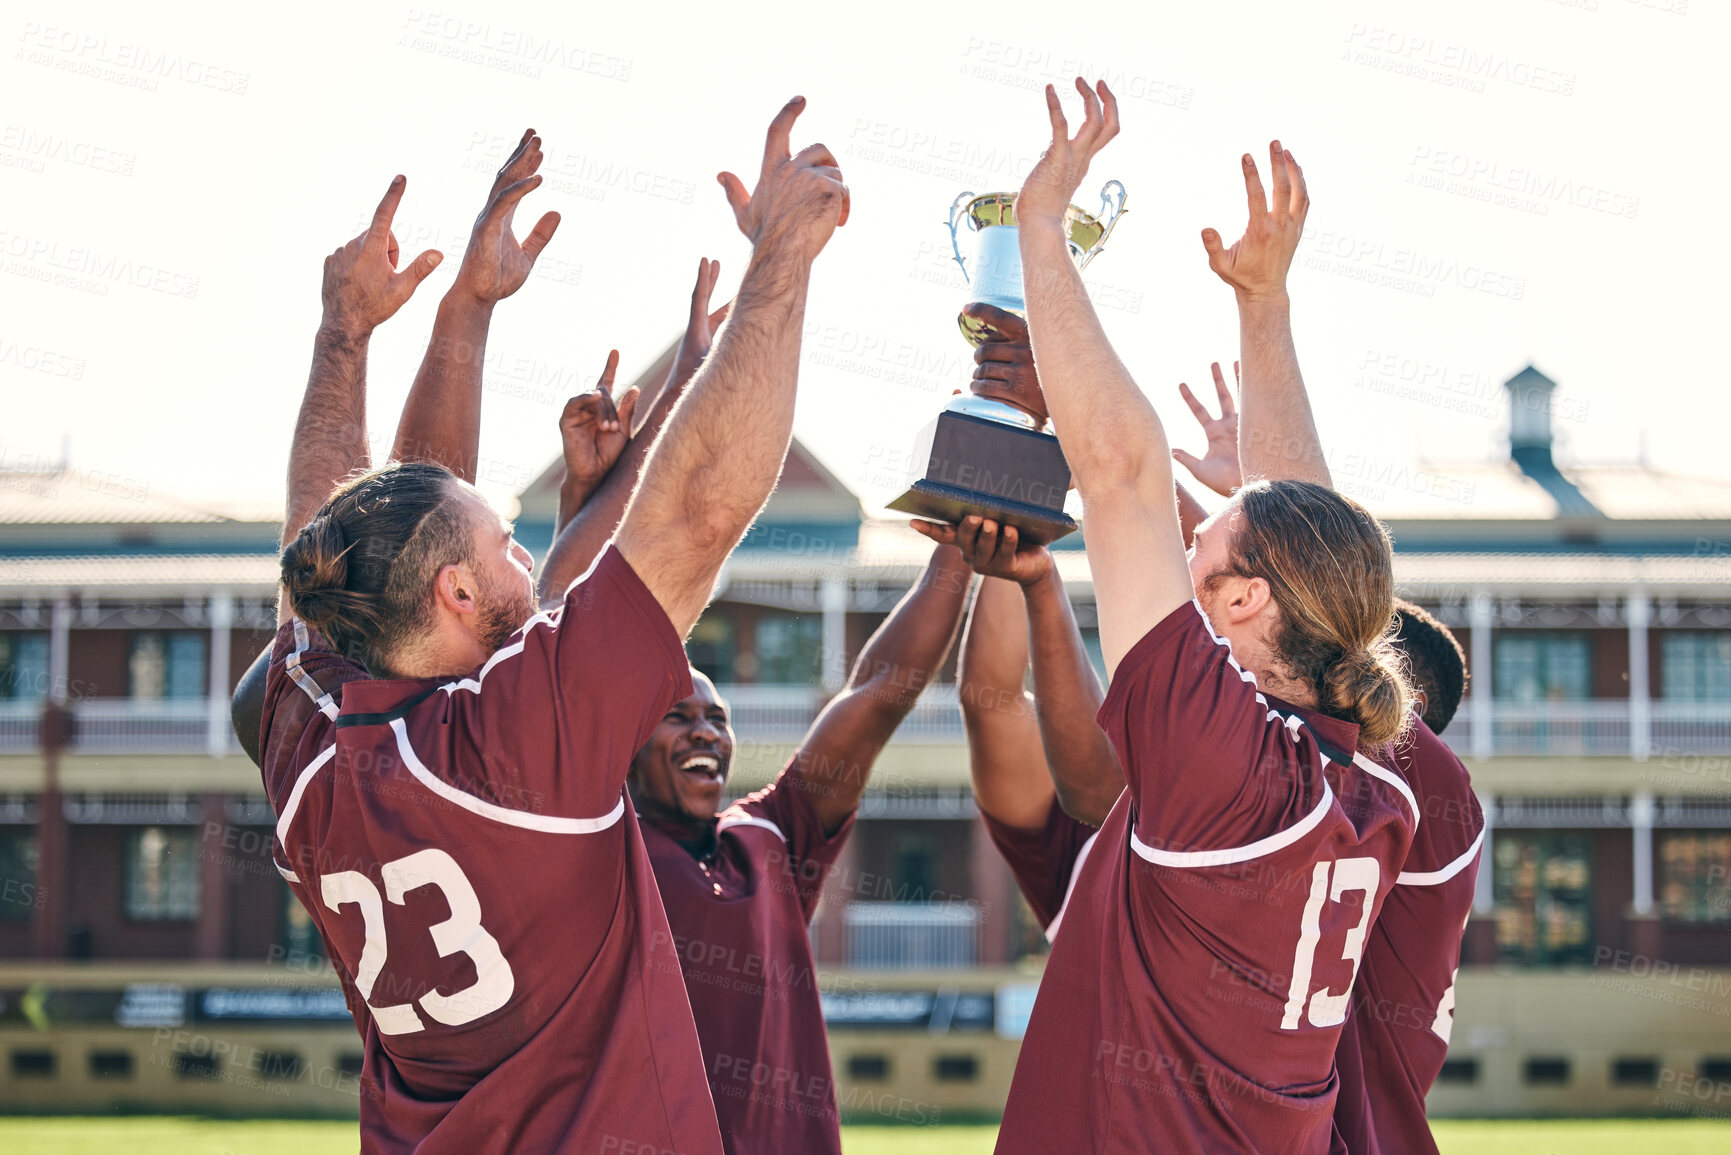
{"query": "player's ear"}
pixel 456 590
pixel 1250 598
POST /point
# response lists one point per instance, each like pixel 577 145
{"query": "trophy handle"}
pixel 1112 198
pixel 955 246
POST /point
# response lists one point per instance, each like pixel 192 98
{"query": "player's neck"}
pixel 695 834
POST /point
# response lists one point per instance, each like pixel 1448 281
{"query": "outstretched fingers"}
pixel 776 145
pixel 1299 205
pixel 1060 126
pixel 540 235
pixel 1197 409
pixel 1282 200
pixel 1253 191
pixel 505 204
pixel 1227 407
pixel 380 229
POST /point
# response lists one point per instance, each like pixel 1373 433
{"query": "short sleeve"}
pixel 786 805
pixel 1447 840
pixel 558 712
pixel 1210 765
pixel 302 696
pixel 1043 860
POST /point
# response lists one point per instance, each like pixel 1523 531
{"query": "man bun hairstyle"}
pixel 1329 566
pixel 362 570
pixel 1434 659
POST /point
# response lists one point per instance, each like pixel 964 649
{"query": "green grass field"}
pixel 159 1135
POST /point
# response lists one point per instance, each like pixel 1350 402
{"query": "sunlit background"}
pixel 1493 184
pixel 1496 186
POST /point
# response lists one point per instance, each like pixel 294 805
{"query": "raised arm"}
pixel 1067 694
pixel 721 452
pixel 441 419
pixel 362 289
pixel 602 464
pixel 1111 435
pixel 900 660
pixel 1277 436
pixel 1006 763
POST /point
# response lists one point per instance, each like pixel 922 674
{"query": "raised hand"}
pixel 1218 467
pixel 1053 182
pixel 594 430
pixel 991 549
pixel 362 288
pixel 1256 264
pixel 1004 363
pixel 799 200
pixel 701 326
pixel 495 264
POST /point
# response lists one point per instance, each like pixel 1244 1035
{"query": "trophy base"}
pixel 936 501
pixel 965 464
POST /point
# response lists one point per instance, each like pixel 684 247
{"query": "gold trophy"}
pixel 982 455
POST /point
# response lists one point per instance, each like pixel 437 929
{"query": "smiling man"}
pixel 741 884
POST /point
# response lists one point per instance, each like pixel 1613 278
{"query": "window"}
pixel 1695 876
pixel 1696 666
pixel 1543 888
pixel 868 1068
pixel 161 874
pixel 19 897
pixel 956 1068
pixel 1635 1072
pixel 296 934
pixel 1546 1072
pixel 167 665
pixel 913 866
pixel 788 647
pixel 1542 667
pixel 710 647
pixel 111 1064
pixel 23 667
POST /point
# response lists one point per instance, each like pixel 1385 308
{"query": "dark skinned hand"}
pixel 1004 364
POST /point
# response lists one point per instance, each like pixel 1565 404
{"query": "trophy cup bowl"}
pixel 982 455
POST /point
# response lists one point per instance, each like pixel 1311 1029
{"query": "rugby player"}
pixel 740 884
pixel 456 825
pixel 1044 775
pixel 1397 1031
pixel 1196 993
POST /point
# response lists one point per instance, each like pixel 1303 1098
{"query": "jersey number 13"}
pixel 1349 874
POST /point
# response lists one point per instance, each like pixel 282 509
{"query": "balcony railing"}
pixel 119 726
pixel 1592 728
pixel 911 935
pixel 784 713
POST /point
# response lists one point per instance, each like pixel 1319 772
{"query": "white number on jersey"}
pixel 462 933
pixel 1444 1024
pixel 1350 874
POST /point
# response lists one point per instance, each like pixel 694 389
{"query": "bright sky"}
pixel 1493 182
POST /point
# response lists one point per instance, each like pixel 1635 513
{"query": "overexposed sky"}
pixel 1493 182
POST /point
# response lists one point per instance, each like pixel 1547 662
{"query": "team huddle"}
pixel 501 795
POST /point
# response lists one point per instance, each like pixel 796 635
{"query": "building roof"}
pixel 139 574
pixel 70 497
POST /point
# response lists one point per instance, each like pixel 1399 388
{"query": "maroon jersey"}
pixel 1046 862
pixel 1196 994
pixel 1397 1033
pixel 464 847
pixel 739 910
